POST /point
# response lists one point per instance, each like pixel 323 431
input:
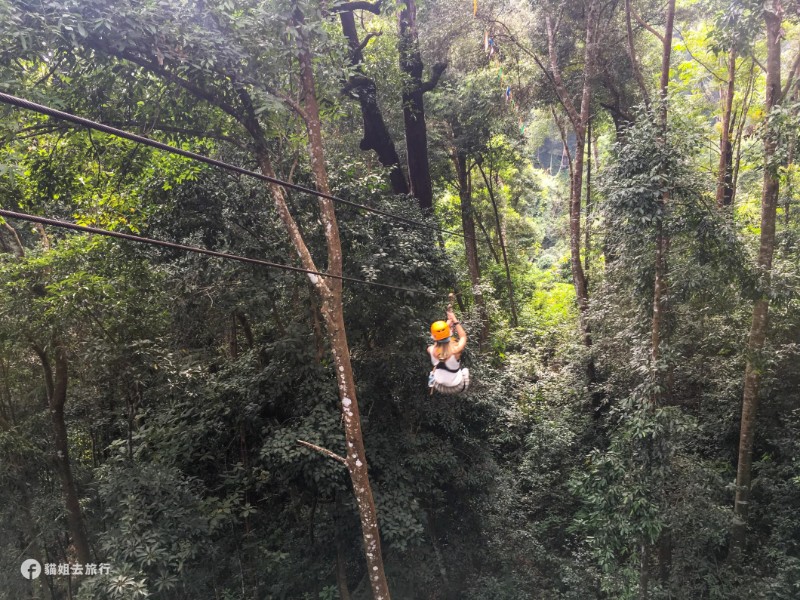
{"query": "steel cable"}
pixel 164 244
pixel 140 139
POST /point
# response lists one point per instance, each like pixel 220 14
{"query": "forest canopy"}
pixel 226 227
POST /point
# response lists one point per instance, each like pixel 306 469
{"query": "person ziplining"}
pixel 447 375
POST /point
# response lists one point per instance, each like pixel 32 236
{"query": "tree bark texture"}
pixel 332 309
pixel 414 107
pixel 773 14
pixel 376 134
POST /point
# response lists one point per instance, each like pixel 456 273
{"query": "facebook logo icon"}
pixel 31 569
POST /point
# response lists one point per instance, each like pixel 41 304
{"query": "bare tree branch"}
pixel 367 38
pixel 10 241
pixel 647 25
pixel 436 74
pixel 324 451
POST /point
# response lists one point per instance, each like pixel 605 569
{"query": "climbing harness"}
pixel 440 331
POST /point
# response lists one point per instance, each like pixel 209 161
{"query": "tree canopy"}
pixel 606 193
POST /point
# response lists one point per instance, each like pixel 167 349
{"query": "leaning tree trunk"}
pixel 758 330
pixel 330 293
pixel 376 134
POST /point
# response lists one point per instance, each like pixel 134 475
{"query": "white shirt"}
pixel 447 378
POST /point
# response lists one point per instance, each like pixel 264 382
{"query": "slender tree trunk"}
pixel 376 134
pixel 665 556
pixel 501 239
pixel 773 14
pixel 341 573
pixel 579 122
pixel 437 552
pixel 725 172
pixel 470 242
pixel 333 316
pixel 587 242
pixel 56 384
pixel 488 239
pixel 662 238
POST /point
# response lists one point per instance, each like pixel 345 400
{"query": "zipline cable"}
pixel 139 139
pixel 143 240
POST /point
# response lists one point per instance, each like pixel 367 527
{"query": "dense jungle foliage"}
pixel 608 187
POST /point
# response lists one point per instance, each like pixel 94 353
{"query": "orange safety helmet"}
pixel 440 331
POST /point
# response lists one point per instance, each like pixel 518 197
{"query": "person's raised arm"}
pixel 459 329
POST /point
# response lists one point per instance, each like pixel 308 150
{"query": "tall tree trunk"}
pixel 725 171
pixel 376 134
pixel 773 14
pixel 470 242
pixel 333 315
pixel 501 239
pixel 579 122
pixel 56 385
pixel 662 239
pixel 414 89
pixel 587 230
